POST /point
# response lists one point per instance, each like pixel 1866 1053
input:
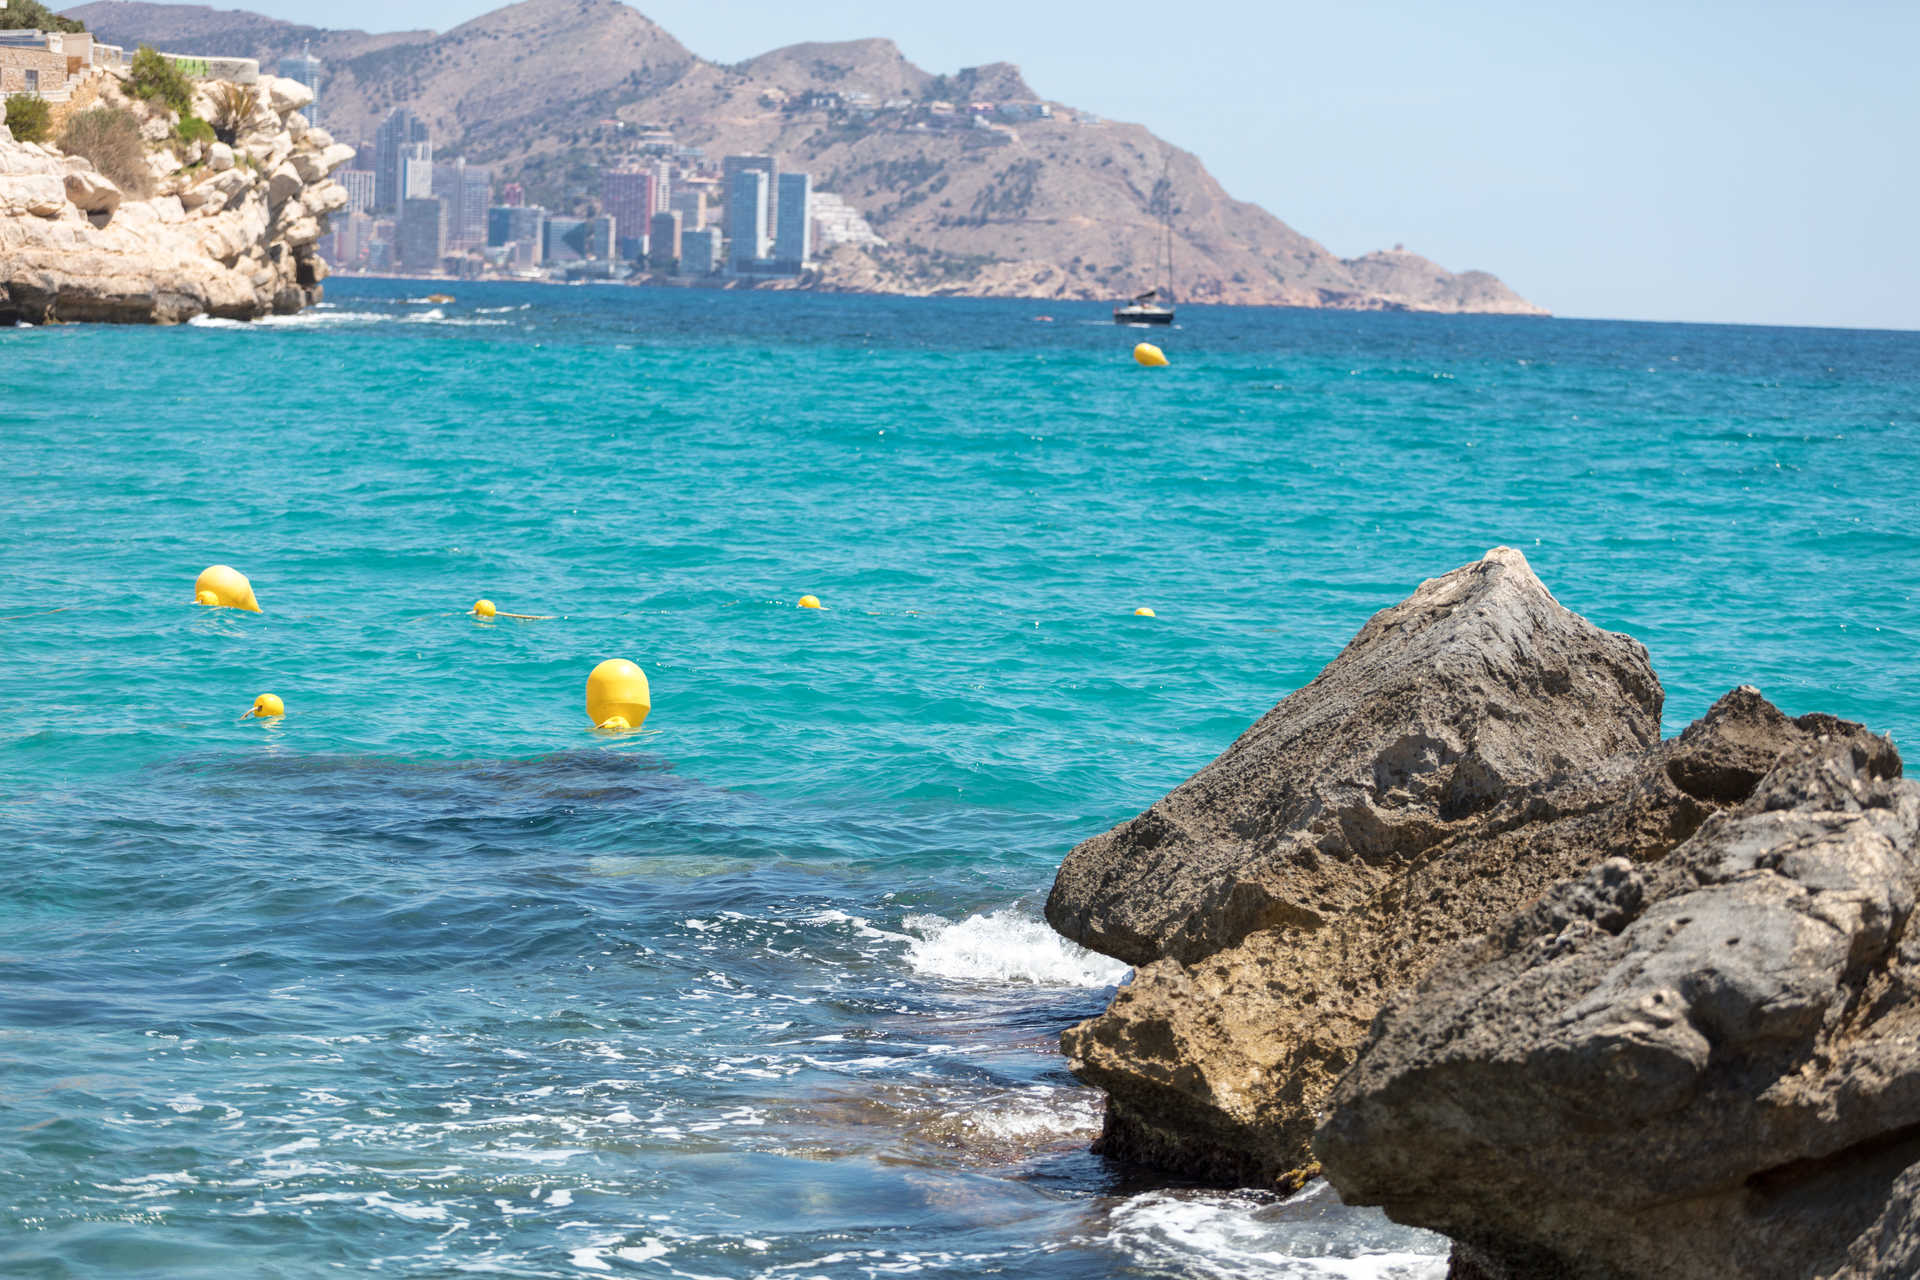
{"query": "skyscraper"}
pixel 746 218
pixel 663 241
pixel 359 185
pixel 732 165
pixel 627 194
pixel 423 233
pixel 400 136
pixel 692 208
pixel 793 233
pixel 416 174
pixel 700 252
pixel 305 69
pixel 468 190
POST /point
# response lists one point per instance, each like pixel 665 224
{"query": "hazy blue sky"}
pixel 1709 161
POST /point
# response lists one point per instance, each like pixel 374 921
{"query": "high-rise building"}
pixel 467 190
pixel 662 185
pixel 793 234
pixel 423 233
pixel 732 165
pixel 627 194
pixel 578 239
pixel 359 184
pixel 305 69
pixel 416 177
pixel 522 226
pixel 663 241
pixel 746 218
pixel 402 135
pixel 513 193
pixel 700 252
pixel 692 208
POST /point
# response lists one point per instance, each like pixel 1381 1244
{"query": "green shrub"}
pixel 110 137
pixel 30 119
pixel 192 129
pixel 31 15
pixel 154 78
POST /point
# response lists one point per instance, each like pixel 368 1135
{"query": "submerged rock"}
pixel 1702 1068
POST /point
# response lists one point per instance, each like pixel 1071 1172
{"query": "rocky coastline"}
pixel 1452 926
pixel 229 230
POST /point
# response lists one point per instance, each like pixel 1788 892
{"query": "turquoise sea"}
pixel 428 978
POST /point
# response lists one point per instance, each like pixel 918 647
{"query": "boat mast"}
pixel 1166 215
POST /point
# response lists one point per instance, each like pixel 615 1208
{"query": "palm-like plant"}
pixel 233 106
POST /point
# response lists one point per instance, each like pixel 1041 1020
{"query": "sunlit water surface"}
pixel 429 978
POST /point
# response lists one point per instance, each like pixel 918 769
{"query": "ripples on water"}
pixel 428 978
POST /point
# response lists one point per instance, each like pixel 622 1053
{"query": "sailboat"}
pixel 1144 309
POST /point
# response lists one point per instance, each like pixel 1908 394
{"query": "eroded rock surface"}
pixel 1220 1069
pixel 1476 685
pixel 223 233
pixel 1700 1068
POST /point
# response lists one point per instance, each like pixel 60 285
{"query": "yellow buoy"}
pixel 1151 356
pixel 267 706
pixel 224 586
pixel 483 609
pixel 1143 612
pixel 809 602
pixel 617 695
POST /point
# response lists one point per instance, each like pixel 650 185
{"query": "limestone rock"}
pixel 1220 1069
pixel 1704 1068
pixel 284 95
pixel 94 192
pixel 1478 683
pixel 206 243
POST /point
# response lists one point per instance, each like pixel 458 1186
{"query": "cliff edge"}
pixel 226 230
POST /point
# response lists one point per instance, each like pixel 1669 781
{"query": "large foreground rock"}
pixel 1706 1068
pixel 1221 1069
pixel 1477 684
pixel 213 239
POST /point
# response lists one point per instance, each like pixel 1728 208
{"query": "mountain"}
pixel 1066 206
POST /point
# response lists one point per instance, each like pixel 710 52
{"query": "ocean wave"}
pixel 298 320
pixel 1004 946
pixel 1311 1236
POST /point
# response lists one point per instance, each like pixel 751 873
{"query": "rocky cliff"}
pixel 228 230
pixel 1070 206
pixel 1596 1005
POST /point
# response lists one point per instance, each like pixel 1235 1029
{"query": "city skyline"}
pixel 1713 164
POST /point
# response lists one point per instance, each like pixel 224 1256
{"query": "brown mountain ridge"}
pixel 549 91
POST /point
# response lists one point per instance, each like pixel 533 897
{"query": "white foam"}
pixel 1228 1236
pixel 1038 1112
pixel 1004 946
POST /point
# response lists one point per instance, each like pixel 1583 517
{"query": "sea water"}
pixel 428 978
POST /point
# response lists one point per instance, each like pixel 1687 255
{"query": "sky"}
pixel 1704 161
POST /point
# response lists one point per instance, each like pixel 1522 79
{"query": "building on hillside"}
pixel 733 165
pixel 700 252
pixel 513 193
pixel 662 185
pixel 401 136
pixel 663 241
pixel 306 69
pixel 628 195
pixel 522 227
pixel 36 62
pixel 836 222
pixel 467 190
pixel 692 208
pixel 793 232
pixel 423 233
pixel 359 184
pixel 746 219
